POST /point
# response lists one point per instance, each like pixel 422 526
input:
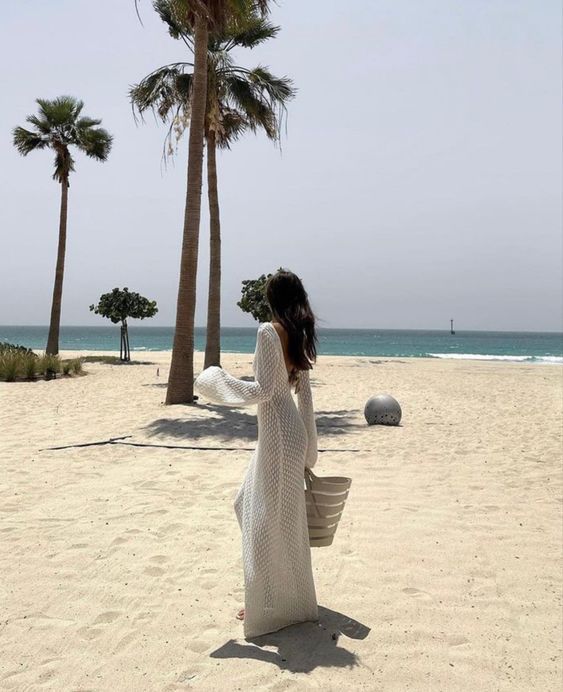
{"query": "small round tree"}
pixel 254 298
pixel 120 305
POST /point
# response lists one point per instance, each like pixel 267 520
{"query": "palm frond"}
pixel 62 110
pixel 247 100
pixel 41 124
pixel 168 13
pixel 261 96
pixel 241 9
pixel 85 123
pixel 247 34
pixel 217 12
pixel 167 92
pixel 96 143
pixel 78 106
pixel 26 141
pixel 162 90
pixel 278 89
pixel 233 126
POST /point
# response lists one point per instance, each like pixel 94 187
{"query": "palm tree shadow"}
pixel 228 424
pixel 302 647
pixel 231 423
pixel 336 422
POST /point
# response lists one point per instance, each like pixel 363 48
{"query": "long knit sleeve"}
pixel 305 406
pixel 218 386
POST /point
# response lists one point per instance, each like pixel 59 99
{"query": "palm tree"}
pixel 238 100
pixel 201 15
pixel 58 126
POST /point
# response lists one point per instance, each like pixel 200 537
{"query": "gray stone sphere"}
pixel 382 409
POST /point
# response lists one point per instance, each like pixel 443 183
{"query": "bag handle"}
pixel 309 475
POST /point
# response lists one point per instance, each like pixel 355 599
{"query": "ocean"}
pixel 529 347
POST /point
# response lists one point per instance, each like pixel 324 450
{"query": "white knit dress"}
pixel 270 505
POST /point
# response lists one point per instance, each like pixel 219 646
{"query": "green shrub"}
pixel 76 364
pixel 109 360
pixel 29 365
pixel 6 347
pixel 10 363
pixel 17 363
pixel 114 360
pixel 49 365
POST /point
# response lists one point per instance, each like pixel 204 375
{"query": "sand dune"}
pixel 121 566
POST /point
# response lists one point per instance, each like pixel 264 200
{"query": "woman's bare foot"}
pixel 240 614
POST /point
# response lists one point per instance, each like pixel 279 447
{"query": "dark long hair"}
pixel 289 304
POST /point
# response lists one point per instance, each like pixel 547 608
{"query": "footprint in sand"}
pixel 146 484
pixel 119 540
pixel 49 660
pixel 197 646
pixel 170 528
pixel 457 639
pixel 159 559
pixel 141 617
pixel 45 676
pixel 89 633
pixel 416 593
pixel 124 642
pixel 107 617
pixel 154 571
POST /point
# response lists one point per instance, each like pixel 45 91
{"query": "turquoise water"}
pixel 546 347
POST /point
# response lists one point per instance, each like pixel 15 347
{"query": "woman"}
pixel 270 505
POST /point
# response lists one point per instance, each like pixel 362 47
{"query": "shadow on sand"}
pixel 302 647
pixel 231 423
pixel 228 425
pixel 334 422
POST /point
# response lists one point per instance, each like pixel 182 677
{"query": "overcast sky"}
pixel 420 177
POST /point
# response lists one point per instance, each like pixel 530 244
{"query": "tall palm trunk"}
pixel 213 340
pixel 181 378
pixel 53 338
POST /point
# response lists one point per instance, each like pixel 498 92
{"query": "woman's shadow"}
pixel 304 646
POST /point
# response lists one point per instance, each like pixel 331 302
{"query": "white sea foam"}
pixel 554 360
pixel 158 350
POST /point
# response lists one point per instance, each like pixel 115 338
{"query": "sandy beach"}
pixel 121 568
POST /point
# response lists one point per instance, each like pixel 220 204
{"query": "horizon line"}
pixel 382 329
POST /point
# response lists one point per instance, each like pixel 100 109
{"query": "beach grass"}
pixel 18 363
pixel 113 360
